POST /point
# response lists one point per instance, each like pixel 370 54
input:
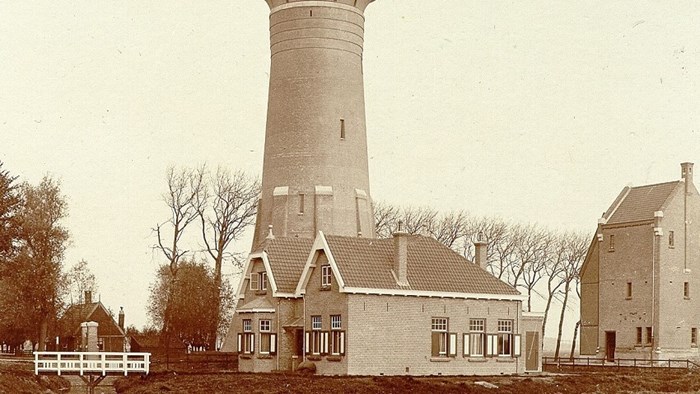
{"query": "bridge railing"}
pixel 91 362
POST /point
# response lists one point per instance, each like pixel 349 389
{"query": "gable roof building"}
pixel 637 281
pixel 110 334
pixel 353 311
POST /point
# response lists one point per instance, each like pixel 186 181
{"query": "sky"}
pixel 537 112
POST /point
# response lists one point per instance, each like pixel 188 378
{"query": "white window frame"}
pixel 247 325
pixel 326 275
pixel 253 281
pixel 263 280
pixel 316 323
pixel 440 324
pixel 477 332
pixel 336 322
pixel 264 325
pixel 505 338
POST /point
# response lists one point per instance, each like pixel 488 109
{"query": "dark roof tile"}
pixel 432 266
pixel 641 202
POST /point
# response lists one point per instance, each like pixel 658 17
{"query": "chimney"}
pixel 480 251
pixel 88 297
pixel 687 174
pixel 121 317
pixel 401 256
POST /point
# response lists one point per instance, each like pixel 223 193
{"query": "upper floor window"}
pixel 650 336
pixel 629 290
pixel 264 326
pixel 263 281
pixel 258 280
pixel 316 322
pixel 671 241
pixel 694 336
pixel 612 242
pixel 336 322
pixel 326 275
pixel 247 325
pixel 686 290
pixel 254 280
pixel 301 203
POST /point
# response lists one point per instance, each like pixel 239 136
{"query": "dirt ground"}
pixel 18 377
pixel 609 382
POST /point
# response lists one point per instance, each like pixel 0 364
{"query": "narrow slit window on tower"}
pixel 686 290
pixel 342 129
pixel 671 241
pixel 629 290
pixel 311 13
pixel 301 203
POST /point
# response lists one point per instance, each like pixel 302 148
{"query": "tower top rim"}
pixel 276 5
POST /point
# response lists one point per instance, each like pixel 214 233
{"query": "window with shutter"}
pixel 240 343
pixel 516 345
pixel 439 337
pixel 253 281
pixel 273 343
pixel 453 344
pixel 476 337
pixel 465 343
pixel 307 347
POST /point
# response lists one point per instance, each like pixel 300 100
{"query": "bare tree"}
pixel 184 187
pixel 227 207
pixel 449 228
pixel 553 267
pixel 80 279
pixel 576 248
pixel 386 218
pixel 577 287
pixel 532 252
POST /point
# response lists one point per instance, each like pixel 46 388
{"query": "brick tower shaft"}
pixel 315 171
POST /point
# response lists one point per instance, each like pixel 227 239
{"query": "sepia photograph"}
pixel 349 196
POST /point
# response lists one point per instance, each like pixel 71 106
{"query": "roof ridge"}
pixel 654 184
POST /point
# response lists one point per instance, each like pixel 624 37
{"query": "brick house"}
pixel 110 334
pixel 361 306
pixel 639 280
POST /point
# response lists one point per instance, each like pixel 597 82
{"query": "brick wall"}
pixel 391 335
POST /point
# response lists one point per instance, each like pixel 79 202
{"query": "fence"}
pixel 618 363
pixel 91 362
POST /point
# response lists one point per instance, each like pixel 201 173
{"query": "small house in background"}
pixel 111 336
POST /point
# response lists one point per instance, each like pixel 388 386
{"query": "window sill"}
pixel 260 292
pixel 611 250
pixel 325 288
pixel 686 298
pixel 476 359
pixel 334 358
pixel 441 359
pixel 505 359
pixel 264 356
pixel 628 298
pixel 694 345
pixel 314 358
pixel 245 356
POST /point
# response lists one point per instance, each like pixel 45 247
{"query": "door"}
pixel 532 346
pixel 610 345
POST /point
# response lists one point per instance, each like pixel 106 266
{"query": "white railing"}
pixel 91 362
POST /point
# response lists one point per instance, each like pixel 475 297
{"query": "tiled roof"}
pixel 640 202
pixel 432 266
pixel 74 315
pixel 287 258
